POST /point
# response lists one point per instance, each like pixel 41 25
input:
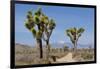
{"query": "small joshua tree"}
pixel 65 48
pixel 74 35
pixel 34 25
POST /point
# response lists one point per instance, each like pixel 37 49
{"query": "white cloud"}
pixel 61 41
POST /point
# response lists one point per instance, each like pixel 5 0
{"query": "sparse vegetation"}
pixel 30 57
pixel 87 55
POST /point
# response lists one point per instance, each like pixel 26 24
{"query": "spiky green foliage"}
pixel 74 33
pixel 52 24
pixel 34 23
pixel 49 25
pixel 29 22
pixel 33 32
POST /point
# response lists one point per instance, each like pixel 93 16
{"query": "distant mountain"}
pixel 56 45
pixel 70 45
pixel 21 47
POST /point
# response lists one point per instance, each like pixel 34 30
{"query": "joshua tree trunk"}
pixel 39 48
pixel 47 45
pixel 75 49
pixel 39 42
pixel 47 51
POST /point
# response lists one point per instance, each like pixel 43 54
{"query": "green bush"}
pixel 87 56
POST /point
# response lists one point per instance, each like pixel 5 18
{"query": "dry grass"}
pixel 25 55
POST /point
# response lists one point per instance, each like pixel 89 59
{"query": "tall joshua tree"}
pixel 34 25
pixel 74 35
pixel 49 25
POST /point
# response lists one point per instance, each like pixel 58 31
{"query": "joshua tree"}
pixel 49 25
pixel 34 25
pixel 74 35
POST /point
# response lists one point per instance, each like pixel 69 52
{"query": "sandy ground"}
pixel 66 58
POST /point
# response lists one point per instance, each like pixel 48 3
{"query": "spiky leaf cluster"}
pixel 39 23
pixel 33 23
pixel 49 25
pixel 74 33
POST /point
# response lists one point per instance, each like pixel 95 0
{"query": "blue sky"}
pixel 65 17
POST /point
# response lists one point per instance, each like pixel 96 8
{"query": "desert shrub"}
pixel 44 61
pixel 87 56
pixel 65 48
